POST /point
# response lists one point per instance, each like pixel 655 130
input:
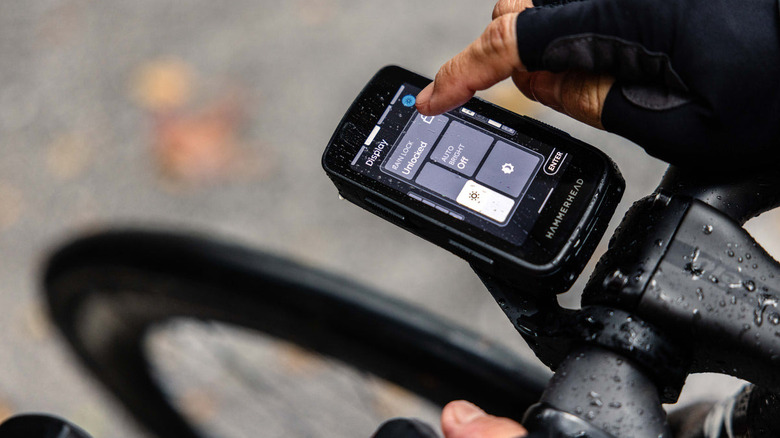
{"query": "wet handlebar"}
pixel 683 288
pixel 740 196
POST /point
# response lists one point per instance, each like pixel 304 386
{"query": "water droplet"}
pixel 699 294
pixel 733 299
pixel 707 229
pixel 740 259
pixel 774 319
pixel 524 329
pixel 736 285
pixel 696 271
pixel 616 405
pixel 714 279
pixel 748 256
pixel 750 285
pixel 578 410
pixel 590 415
pixel 755 266
pixel 764 301
pixel 595 399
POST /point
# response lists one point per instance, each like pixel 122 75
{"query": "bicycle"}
pixel 679 263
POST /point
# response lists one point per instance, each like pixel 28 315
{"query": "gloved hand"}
pixel 695 81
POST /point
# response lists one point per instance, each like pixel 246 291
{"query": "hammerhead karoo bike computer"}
pixel 514 197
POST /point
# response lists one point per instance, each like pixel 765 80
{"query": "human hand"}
pixel 459 419
pixel 695 80
pixel 494 57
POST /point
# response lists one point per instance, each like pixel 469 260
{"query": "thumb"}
pixel 461 419
pixel 578 94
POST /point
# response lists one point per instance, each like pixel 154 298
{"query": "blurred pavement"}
pixel 212 117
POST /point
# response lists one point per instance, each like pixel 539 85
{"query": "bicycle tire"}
pixel 106 291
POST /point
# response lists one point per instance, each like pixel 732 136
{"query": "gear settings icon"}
pixel 507 168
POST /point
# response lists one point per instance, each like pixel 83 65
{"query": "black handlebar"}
pixel 694 292
pixel 741 196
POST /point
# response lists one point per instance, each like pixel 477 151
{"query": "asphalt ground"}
pixel 211 117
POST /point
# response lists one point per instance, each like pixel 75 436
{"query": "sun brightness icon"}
pixel 474 196
pixel 508 168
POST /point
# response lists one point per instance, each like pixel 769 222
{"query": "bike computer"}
pixel 513 196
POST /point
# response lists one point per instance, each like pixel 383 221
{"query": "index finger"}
pixel 487 61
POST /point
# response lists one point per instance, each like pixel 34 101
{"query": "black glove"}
pixel 404 428
pixel 698 81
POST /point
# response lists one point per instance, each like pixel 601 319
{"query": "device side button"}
pixel 351 134
pixel 384 211
pixel 470 253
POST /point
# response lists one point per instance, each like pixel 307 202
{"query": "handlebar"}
pixel 741 196
pixel 688 289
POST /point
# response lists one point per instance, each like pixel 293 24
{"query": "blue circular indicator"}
pixel 408 100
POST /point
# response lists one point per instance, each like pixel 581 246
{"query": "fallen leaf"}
pixel 6 410
pixel 204 146
pixel 198 146
pixel 162 84
pixel 11 205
